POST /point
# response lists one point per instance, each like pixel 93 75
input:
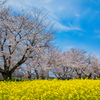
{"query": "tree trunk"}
pixel 7 75
pixel 89 76
pixel 47 76
pixel 29 75
pixel 80 76
pixel 42 74
pixel 37 75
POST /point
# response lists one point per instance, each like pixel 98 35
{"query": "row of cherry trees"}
pixel 26 46
pixel 76 63
pixel 70 64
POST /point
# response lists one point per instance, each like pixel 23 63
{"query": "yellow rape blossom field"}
pixel 50 90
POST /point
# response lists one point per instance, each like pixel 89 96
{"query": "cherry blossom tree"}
pixel 82 63
pixel 38 65
pixel 55 61
pixel 22 36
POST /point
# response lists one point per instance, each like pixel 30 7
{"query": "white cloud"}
pixel 55 8
pixel 67 28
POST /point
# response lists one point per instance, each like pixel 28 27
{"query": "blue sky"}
pixel 78 21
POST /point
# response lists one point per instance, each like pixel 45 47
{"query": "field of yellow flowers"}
pixel 50 90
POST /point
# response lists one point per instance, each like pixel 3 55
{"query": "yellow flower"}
pixel 48 90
